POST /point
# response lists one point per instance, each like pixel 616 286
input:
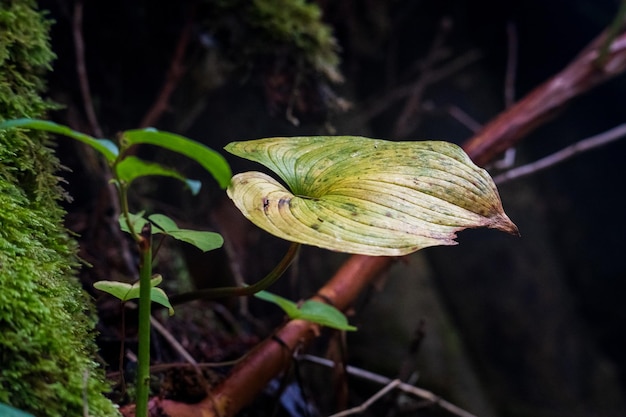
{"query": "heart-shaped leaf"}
pixel 365 196
pixel 125 291
pixel 310 310
pixel 324 314
pixel 203 240
pixel 136 220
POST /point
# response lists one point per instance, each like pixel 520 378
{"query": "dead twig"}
pixel 511 65
pixel 509 89
pixel 380 104
pixel 596 141
pixel 465 119
pixel 406 122
pixel 371 400
pixel 174 343
pixel 389 385
pixel 81 69
pixel 174 74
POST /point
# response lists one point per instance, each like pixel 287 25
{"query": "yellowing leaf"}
pixel 366 196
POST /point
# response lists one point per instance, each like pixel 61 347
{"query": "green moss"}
pixel 46 339
pixel 277 27
pixel 299 23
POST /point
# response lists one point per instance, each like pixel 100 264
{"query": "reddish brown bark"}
pixel 588 70
pixel 269 358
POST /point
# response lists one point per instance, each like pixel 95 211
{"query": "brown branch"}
pixel 174 74
pixel 539 105
pixel 270 358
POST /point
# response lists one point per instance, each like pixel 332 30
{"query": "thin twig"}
pixel 182 352
pixel 371 400
pixel 465 119
pixel 511 65
pixel 96 130
pixel 173 342
pixel 380 104
pixel 81 69
pixel 174 74
pixel 601 139
pixel 383 380
pixel 406 121
pixel 509 90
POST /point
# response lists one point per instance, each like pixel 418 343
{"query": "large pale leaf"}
pixel 365 196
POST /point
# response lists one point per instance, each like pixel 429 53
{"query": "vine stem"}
pixel 269 279
pixel 143 353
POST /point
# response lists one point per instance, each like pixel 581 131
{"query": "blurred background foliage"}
pixel 511 327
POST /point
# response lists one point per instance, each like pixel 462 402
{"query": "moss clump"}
pixel 276 27
pixel 46 339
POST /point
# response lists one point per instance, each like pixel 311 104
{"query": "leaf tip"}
pixel 502 222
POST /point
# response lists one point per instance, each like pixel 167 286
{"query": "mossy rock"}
pixel 47 348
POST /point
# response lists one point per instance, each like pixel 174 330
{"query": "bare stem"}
pixel 143 352
pixel 269 279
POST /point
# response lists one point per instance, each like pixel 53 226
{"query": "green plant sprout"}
pixel 125 291
pixel 310 310
pixel 345 193
pixel 125 169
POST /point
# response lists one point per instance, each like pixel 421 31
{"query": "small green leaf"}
pixel 288 306
pixel 104 146
pixel 205 241
pixel 137 220
pixel 208 158
pixel 164 223
pixel 365 196
pixel 325 315
pixel 158 296
pixel 313 311
pixel 119 290
pixel 124 291
pixel 131 168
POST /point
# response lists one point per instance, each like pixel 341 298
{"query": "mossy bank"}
pixel 47 349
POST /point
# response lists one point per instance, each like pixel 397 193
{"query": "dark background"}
pixel 513 327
